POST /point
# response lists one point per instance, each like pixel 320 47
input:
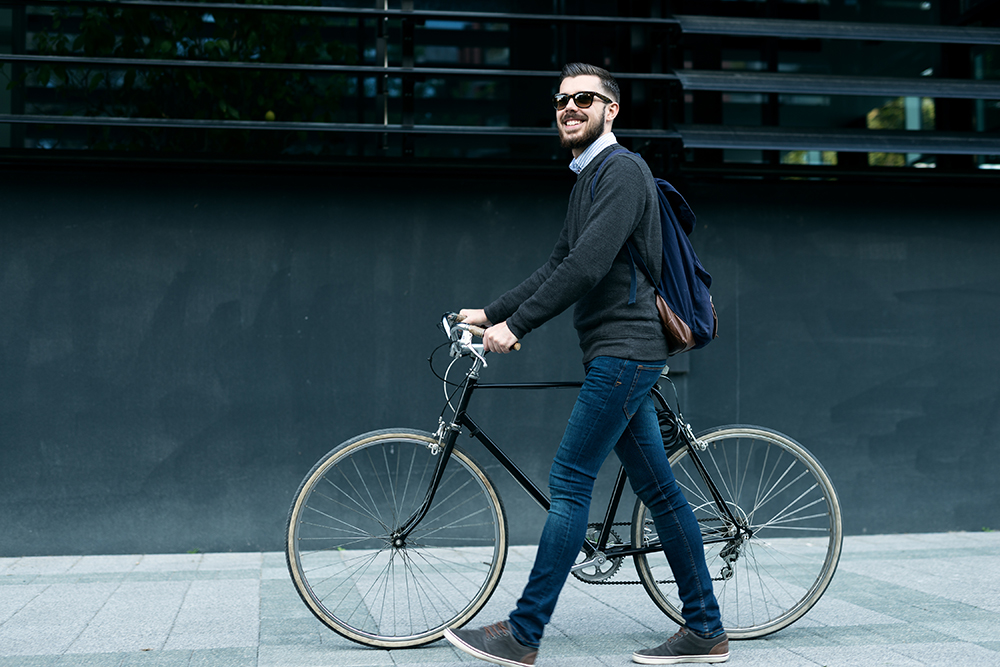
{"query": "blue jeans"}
pixel 615 411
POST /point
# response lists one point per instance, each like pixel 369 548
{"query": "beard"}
pixel 594 129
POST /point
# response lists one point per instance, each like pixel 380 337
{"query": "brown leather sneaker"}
pixel 685 646
pixel 493 643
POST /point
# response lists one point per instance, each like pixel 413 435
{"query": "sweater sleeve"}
pixel 576 267
pixel 505 306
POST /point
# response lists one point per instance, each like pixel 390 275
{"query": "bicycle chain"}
pixel 598 526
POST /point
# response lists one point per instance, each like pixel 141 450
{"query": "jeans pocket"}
pixel 642 381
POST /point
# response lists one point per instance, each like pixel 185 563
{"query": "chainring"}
pixel 599 572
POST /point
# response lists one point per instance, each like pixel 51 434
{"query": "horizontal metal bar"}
pixel 439 15
pixel 371 70
pixel 692 136
pixel 357 128
pixel 188 123
pixel 830 84
pixel 888 32
pixel 690 79
pixel 849 141
pixel 867 174
pixel 690 24
pixel 530 385
pixel 21 158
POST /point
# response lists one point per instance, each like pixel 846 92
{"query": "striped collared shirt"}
pixel 593 150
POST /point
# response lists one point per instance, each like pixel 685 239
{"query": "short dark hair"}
pixel 583 69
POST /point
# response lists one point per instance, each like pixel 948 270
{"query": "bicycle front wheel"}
pixel 774 487
pixel 341 552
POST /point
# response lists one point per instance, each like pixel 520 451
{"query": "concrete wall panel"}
pixel 176 350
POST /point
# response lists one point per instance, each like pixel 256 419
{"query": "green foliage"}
pixel 201 93
pixel 802 157
pixel 892 116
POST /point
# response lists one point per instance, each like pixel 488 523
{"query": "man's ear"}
pixel 612 111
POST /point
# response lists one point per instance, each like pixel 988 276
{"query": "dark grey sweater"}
pixel 589 266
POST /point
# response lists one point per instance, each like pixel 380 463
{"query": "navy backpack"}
pixel 682 298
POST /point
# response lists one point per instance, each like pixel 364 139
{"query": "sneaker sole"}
pixel 476 653
pixel 675 659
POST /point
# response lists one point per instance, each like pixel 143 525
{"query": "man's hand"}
pixel 498 338
pixel 476 316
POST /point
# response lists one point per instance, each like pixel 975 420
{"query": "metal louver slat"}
pixel 858 141
pixel 788 28
pixel 823 84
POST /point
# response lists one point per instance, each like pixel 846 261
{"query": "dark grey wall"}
pixel 863 322
pixel 176 350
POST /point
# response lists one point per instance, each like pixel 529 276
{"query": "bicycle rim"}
pixel 786 498
pixel 342 560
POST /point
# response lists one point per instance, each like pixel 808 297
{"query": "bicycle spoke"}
pixel 350 572
pixel 769 577
pixel 444 579
pixel 367 510
pixel 788 516
pixel 360 531
pixel 720 478
pixel 378 478
pixel 392 488
pixel 456 523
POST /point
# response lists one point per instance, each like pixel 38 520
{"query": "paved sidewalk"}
pixel 896 600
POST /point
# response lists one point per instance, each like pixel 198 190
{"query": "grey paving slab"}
pixel 957 653
pixel 42 565
pixel 15 598
pixel 896 600
pixel 852 656
pixel 53 619
pixel 120 563
pixel 134 617
pixel 156 659
pixel 236 601
pixel 319 656
pixel 169 562
pixel 232 657
pixel 67 660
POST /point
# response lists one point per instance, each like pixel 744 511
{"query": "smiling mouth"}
pixel 573 122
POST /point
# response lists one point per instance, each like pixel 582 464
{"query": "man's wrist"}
pixel 516 330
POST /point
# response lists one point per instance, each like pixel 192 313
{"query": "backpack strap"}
pixel 633 255
pixel 632 252
pixel 593 183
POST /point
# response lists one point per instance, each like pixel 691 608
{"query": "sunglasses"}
pixel 583 99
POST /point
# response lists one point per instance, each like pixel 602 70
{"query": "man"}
pixel 624 350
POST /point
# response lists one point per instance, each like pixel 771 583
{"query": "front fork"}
pixel 444 443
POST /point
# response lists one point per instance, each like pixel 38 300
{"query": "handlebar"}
pixel 479 331
pixel 454 327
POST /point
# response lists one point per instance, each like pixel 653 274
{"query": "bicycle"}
pixel 397 534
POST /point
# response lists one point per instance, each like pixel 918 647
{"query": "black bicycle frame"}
pixel 462 419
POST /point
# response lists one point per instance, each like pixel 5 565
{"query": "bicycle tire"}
pixel 784 493
pixel 343 563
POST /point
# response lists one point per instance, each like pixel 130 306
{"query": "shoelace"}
pixel 680 634
pixel 498 629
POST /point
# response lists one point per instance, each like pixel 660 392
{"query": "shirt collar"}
pixel 593 150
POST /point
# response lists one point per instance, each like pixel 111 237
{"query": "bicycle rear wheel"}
pixel 774 486
pixel 341 554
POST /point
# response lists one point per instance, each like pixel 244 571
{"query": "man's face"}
pixel 578 128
